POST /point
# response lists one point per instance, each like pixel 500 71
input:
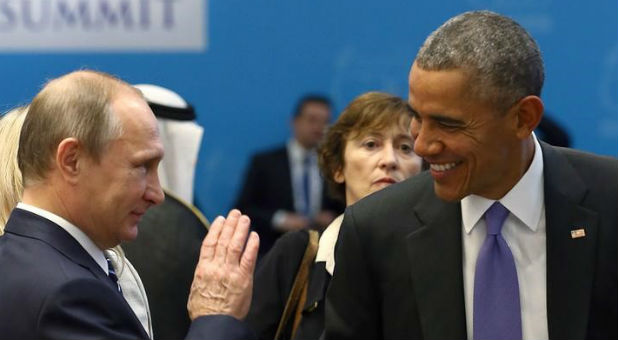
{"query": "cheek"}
pixel 352 173
pixel 410 166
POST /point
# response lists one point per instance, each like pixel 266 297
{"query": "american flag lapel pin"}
pixel 578 233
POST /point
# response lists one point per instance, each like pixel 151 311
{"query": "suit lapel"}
pixel 31 225
pixel 28 224
pixel 570 261
pixel 434 251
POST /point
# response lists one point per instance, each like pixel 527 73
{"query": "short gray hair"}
pixel 75 105
pixel 502 59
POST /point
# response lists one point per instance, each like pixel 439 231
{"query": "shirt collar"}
pixel 83 239
pixel 326 245
pixel 297 152
pixel 524 200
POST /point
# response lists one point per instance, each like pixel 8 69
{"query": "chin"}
pixel 447 194
pixel 130 233
pixel 380 186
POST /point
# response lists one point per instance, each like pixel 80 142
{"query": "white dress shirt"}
pixel 524 231
pixel 296 156
pixel 83 239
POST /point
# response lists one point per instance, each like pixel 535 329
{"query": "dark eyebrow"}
pixel 447 120
pixel 439 118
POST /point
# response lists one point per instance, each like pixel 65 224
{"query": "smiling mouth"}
pixel 443 167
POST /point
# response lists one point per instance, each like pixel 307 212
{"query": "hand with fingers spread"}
pixel 223 280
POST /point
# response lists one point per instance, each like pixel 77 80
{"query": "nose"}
pixel 154 193
pixel 388 159
pixel 425 142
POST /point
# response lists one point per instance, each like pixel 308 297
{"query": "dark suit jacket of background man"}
pixel 268 188
pixel 50 287
pixel 399 261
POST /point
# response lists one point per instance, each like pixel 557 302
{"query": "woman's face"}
pixel 376 160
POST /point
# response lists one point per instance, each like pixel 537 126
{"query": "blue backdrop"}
pixel 262 55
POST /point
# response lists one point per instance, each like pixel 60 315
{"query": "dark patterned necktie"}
pixel 112 274
pixel 497 313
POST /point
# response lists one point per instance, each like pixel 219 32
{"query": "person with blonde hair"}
pixel 10 177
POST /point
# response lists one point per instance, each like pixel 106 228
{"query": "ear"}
pixel 529 111
pixel 338 176
pixel 68 159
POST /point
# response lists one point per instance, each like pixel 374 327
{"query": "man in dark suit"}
pixel 88 153
pixel 505 237
pixel 283 189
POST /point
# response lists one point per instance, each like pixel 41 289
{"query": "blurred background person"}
pixel 369 147
pixel 11 188
pixel 11 184
pixel 283 190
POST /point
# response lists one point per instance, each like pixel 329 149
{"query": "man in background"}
pixel 88 152
pixel 283 189
pixel 505 237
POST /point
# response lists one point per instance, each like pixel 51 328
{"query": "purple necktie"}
pixel 497 314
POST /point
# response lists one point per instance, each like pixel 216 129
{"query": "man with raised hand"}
pixel 88 152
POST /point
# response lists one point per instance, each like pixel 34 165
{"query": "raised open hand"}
pixel 223 281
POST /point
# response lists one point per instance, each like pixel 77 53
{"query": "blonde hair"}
pixel 11 185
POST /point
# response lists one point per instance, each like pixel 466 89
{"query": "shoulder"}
pixel 291 244
pixel 597 173
pixel 381 221
pixel 275 153
pixel 585 161
pixel 41 258
pixel 39 272
pixel 396 199
pixel 285 255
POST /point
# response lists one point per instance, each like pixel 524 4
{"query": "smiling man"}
pixel 505 237
pixel 89 151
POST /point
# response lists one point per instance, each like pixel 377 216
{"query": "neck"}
pixel 305 146
pixel 40 196
pixel 57 201
pixel 524 158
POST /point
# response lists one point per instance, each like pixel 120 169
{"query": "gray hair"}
pixel 75 105
pixel 502 59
